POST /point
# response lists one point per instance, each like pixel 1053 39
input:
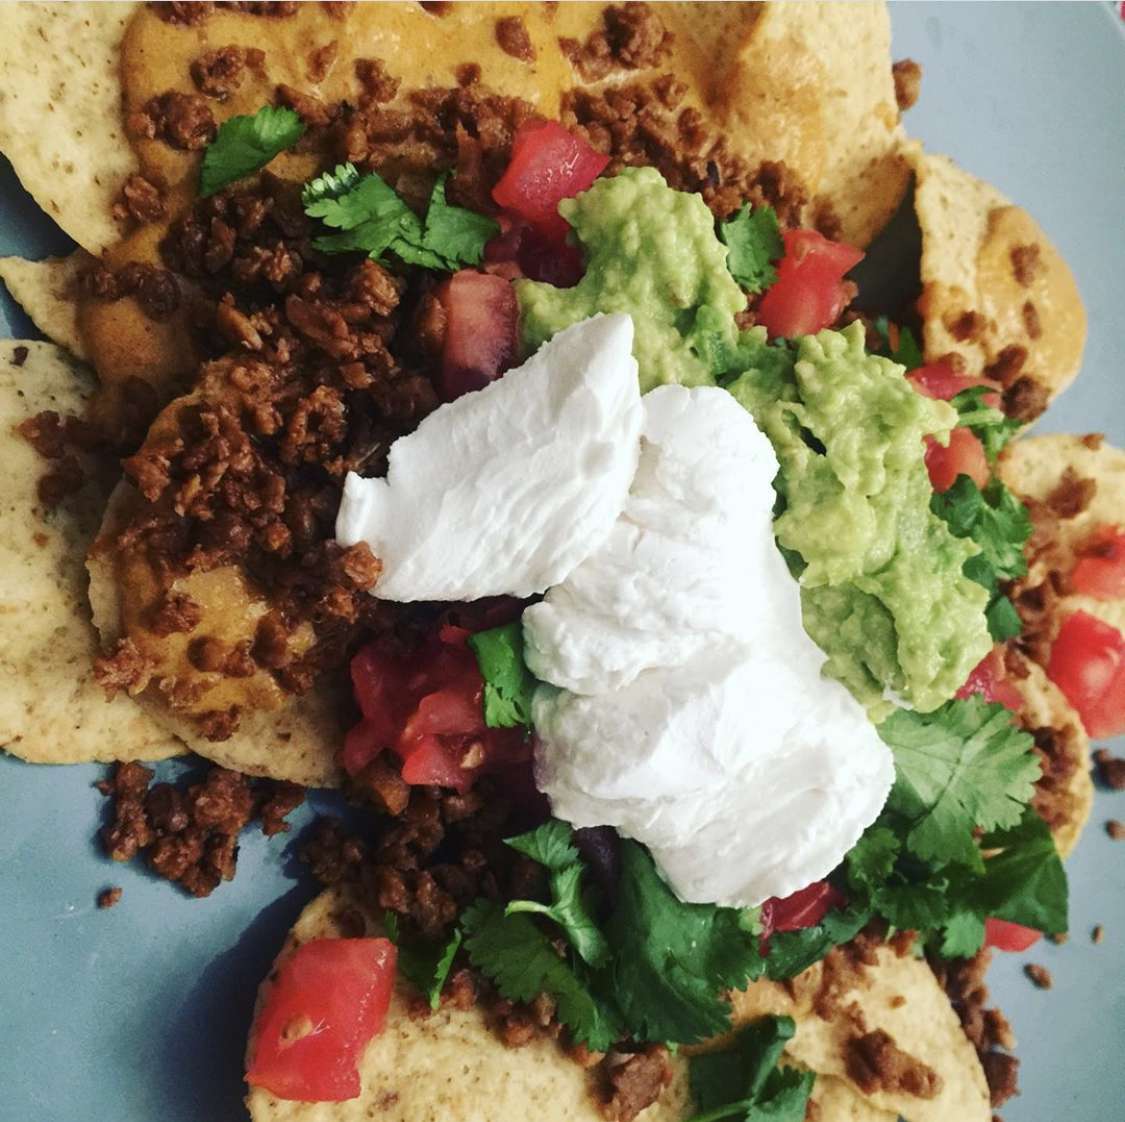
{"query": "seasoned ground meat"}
pixel 1039 976
pixel 1115 829
pixel 631 36
pixel 1072 494
pixel 987 1029
pixel 511 34
pixel 155 289
pixel 141 200
pixel 219 73
pixel 320 61
pixel 875 1063
pixel 1025 263
pixel 1053 800
pixel 642 125
pixel 1111 769
pixel 109 897
pixel 182 120
pixel 189 834
pixel 123 669
pixel 908 83
pixel 634 1082
pixel 375 81
pixel 183 13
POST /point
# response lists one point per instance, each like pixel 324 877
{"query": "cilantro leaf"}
pixel 995 519
pixel 244 144
pixel 1025 882
pixel 907 352
pixel 522 963
pixel 425 965
pixel 753 242
pixel 508 684
pixel 1004 621
pixel 745 1082
pixel 790 952
pixel 960 767
pixel 454 233
pixel 963 934
pixel 672 962
pixel 376 220
pixel 550 845
pixel 992 427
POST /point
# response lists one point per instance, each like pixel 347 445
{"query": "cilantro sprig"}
pixel 244 144
pixel 745 1081
pixel 1000 524
pixel 958 841
pixel 374 219
pixel 753 241
pixel 550 845
pixel 508 684
pixel 904 350
pixel 425 965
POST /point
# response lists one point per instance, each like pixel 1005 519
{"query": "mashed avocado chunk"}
pixel 883 590
pixel 651 252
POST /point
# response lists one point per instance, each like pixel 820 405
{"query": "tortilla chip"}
pixel 51 709
pixel 449 1065
pixel 982 255
pixel 297 742
pixel 1034 468
pixel 60 111
pixel 45 290
pixel 1066 792
pixel 899 996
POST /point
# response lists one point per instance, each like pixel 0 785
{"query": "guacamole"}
pixel 883 591
pixel 651 252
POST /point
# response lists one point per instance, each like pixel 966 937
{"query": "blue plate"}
pixel 140 1013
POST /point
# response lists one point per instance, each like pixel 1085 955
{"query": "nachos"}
pixel 470 406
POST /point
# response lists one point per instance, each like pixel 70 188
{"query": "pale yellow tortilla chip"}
pixel 297 742
pixel 46 291
pixel 51 709
pixel 451 1065
pixel 969 233
pixel 1033 468
pixel 1068 801
pixel 900 996
pixel 61 123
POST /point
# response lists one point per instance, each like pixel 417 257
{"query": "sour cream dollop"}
pixel 693 715
pixel 505 490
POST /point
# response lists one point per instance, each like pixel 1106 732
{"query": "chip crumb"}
pixel 1116 829
pixel 1098 934
pixel 1058 938
pixel 109 896
pixel 1040 976
pixel 1111 769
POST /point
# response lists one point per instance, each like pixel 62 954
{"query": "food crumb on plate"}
pixel 1111 769
pixel 109 896
pixel 1115 828
pixel 1098 934
pixel 1040 976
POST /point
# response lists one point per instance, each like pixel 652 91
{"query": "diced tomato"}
pixel 990 679
pixel 1005 936
pixel 522 250
pixel 548 164
pixel 937 379
pixel 330 997
pixel 1100 569
pixel 809 293
pixel 428 707
pixel 805 908
pixel 963 455
pixel 480 331
pixel 1087 663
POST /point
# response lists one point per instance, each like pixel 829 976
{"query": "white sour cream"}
pixel 506 490
pixel 694 717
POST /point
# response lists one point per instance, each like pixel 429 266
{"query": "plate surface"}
pixel 140 1013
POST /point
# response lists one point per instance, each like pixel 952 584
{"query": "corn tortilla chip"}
pixel 60 111
pixel 451 1065
pixel 46 291
pixel 899 996
pixel 51 709
pixel 1034 468
pixel 1066 793
pixel 297 742
pixel 991 279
